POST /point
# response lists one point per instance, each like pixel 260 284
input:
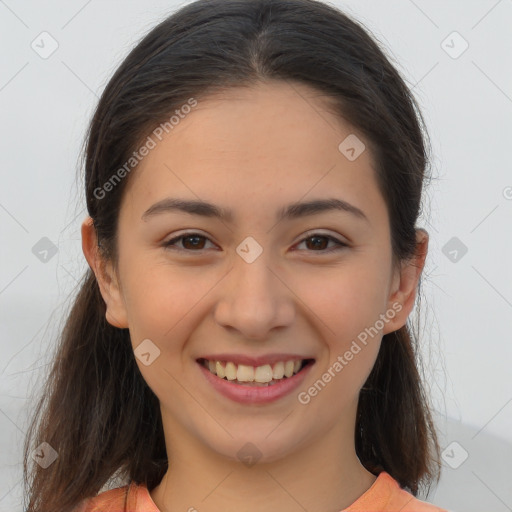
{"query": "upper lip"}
pixel 255 360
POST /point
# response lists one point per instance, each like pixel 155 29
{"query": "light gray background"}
pixel 45 104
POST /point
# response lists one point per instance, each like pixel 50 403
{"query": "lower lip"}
pixel 256 394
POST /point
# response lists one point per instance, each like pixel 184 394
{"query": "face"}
pixel 252 287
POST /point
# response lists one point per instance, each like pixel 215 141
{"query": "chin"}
pixel 258 446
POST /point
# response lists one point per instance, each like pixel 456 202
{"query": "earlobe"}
pixel 405 284
pixel 105 276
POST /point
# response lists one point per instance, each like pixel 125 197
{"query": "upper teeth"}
pixel 244 373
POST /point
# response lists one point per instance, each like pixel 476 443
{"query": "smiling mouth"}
pixel 265 375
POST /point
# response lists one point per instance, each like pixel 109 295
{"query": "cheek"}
pixel 161 307
pixel 347 310
pixel 347 300
pixel 348 304
pixel 338 385
pixel 158 300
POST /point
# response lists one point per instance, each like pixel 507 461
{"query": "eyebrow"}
pixel 289 212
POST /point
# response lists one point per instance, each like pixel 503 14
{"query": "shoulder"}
pixel 113 500
pixel 400 499
pixel 404 501
pixel 386 495
pixel 120 499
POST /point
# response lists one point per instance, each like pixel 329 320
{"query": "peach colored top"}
pixel 385 495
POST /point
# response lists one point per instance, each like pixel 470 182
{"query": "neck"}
pixel 325 475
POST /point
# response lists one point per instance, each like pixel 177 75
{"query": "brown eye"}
pixel 190 242
pixel 318 242
pixel 195 242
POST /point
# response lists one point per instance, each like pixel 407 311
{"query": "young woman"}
pixel 253 174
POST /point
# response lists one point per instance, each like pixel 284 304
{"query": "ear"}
pixel 105 276
pixel 405 284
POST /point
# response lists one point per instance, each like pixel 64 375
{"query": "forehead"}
pixel 277 141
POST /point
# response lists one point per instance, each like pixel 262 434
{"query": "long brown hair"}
pixel 96 411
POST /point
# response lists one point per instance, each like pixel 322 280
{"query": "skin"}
pixel 254 151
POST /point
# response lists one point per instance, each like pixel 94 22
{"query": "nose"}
pixel 254 299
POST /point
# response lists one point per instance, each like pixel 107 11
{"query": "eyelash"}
pixel 339 244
